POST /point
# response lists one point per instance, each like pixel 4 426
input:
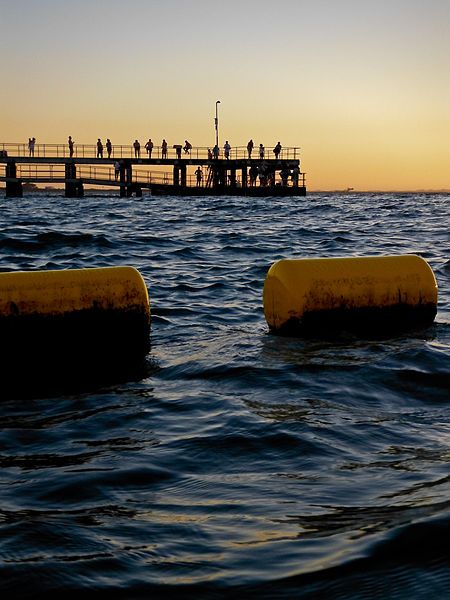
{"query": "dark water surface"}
pixel 239 464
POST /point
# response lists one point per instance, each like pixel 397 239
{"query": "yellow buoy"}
pixel 308 295
pixel 86 314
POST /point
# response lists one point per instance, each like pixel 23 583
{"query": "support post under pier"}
pixel 244 178
pixel 13 188
pixel 176 175
pixel 183 175
pixel 73 188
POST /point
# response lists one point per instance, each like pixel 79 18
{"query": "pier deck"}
pixel 173 173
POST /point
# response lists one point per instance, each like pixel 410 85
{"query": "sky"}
pixel 361 86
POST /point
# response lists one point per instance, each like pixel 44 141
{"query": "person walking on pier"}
pixel 277 150
pixel 70 143
pixel 261 151
pixel 149 147
pixel 226 150
pixel 199 174
pixel 250 148
pixel 164 148
pixel 137 149
pixel 108 147
pixel 99 148
pixel 187 147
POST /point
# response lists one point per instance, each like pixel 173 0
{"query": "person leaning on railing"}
pixel 277 150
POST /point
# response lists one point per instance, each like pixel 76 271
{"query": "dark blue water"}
pixel 239 464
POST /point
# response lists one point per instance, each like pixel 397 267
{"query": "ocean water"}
pixel 237 464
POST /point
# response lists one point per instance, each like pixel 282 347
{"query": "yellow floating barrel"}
pixel 82 315
pixel 368 293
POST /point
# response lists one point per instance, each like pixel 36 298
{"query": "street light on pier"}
pixel 216 122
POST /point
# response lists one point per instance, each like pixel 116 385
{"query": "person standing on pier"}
pixel 253 173
pixel 70 143
pixel 149 147
pixel 284 174
pixel 164 149
pixel 31 143
pixel 137 149
pixel 108 147
pixel 116 170
pixel 295 174
pixel 250 148
pixel 199 174
pixel 226 150
pixel 277 150
pixel 99 148
pixel 261 151
pixel 216 152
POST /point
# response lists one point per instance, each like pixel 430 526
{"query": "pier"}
pixel 173 172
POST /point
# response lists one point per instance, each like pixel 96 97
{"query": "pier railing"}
pixel 118 151
pixel 107 176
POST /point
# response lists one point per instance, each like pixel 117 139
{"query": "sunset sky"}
pixel 363 86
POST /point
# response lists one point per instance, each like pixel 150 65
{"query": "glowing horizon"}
pixel 362 88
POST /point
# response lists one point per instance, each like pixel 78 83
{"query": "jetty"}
pixel 170 172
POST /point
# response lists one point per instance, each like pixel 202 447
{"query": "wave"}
pixel 53 239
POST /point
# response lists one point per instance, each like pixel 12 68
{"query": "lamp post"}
pixel 216 122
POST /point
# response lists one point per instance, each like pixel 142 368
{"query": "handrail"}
pixel 107 175
pixel 21 150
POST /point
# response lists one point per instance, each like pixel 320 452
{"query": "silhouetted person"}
pixel 164 149
pixel 262 175
pixel 70 144
pixel 116 170
pixel 199 175
pixel 250 148
pixel 31 144
pixel 216 152
pixel 277 150
pixel 149 147
pixel 210 154
pixel 108 147
pixel 187 147
pixel 261 151
pixel 226 150
pixel 284 174
pixel 295 175
pixel 137 149
pixel 99 148
pixel 253 173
